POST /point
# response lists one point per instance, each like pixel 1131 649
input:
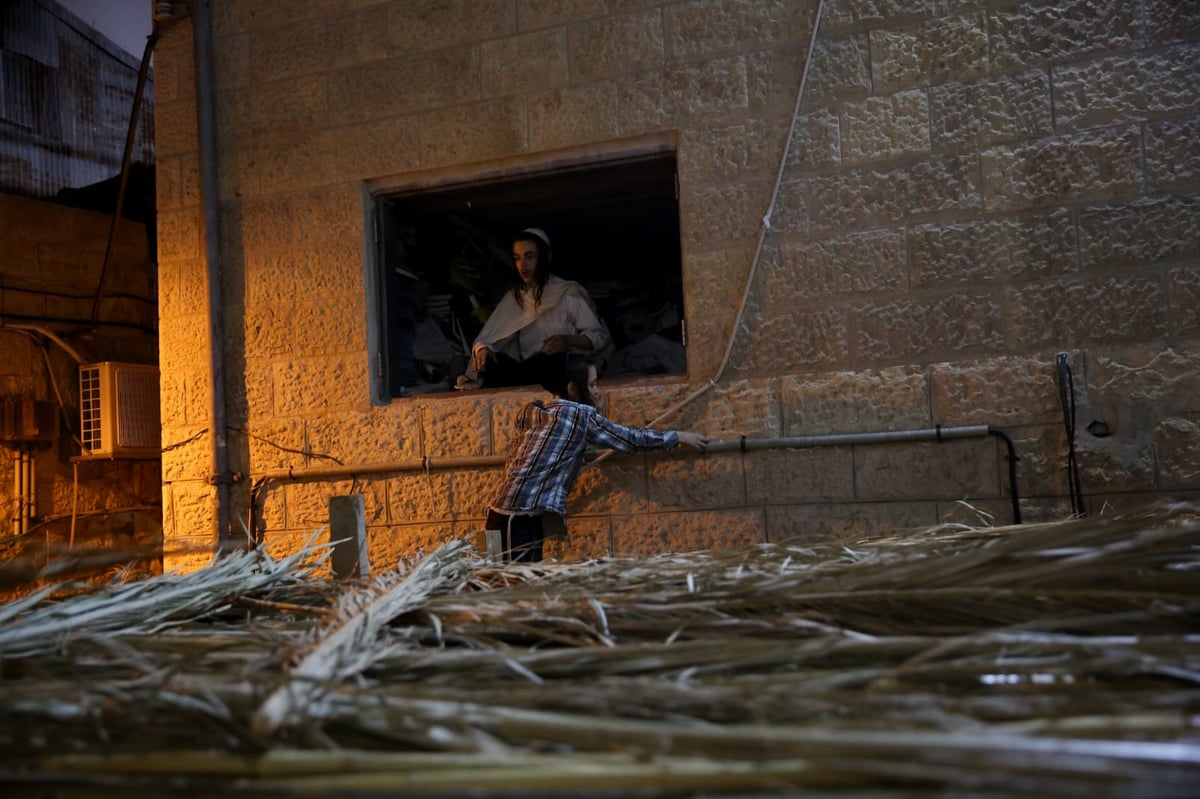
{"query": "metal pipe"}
pixel 206 123
pixel 18 492
pixel 30 507
pixel 727 445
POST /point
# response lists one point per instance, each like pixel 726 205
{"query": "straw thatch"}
pixel 1057 659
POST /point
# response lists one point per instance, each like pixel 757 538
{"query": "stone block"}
pixel 852 263
pixel 529 62
pixel 845 523
pixel 287 275
pixel 928 326
pixel 475 132
pixel 740 408
pixel 1183 293
pixel 321 384
pixel 840 70
pixel 306 328
pixel 713 90
pixel 185 447
pixel 855 402
pixel 1074 312
pixel 658 533
pixel 588 538
pixel 1088 166
pixel 403 84
pixel 376 436
pixel 808 474
pixel 723 215
pixel 968 116
pixel 1041 461
pixel 335 154
pixel 1171 20
pixel 1173 153
pixel 189 512
pixel 307 502
pixel 790 213
pixel 534 14
pixel 932 52
pixel 192 556
pixel 398 547
pixel 1025 247
pixel 618 485
pixel 1163 380
pixel 645 405
pixel 1034 33
pixel 958 469
pixel 816 141
pixel 879 128
pixel 313 219
pixel 998 512
pixel 418 25
pixel 1115 465
pixel 256 382
pixel 704 28
pixel 175 126
pixel 457 427
pixel 688 481
pixel 1127 88
pixel 419 497
pixel 748 149
pixel 1139 233
pixel 772 80
pixel 616 45
pixel 315 46
pixel 179 235
pixel 1177 452
pixel 802 340
pixel 505 410
pixel 271 110
pixel 999 391
pixel 184 340
pixel 468 491
pixel 275 443
pixel 573 115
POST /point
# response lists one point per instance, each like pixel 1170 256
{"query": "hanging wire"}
pixel 1066 396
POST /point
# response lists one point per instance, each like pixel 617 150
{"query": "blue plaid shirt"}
pixel 549 453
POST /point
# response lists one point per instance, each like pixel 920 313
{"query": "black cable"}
pixel 1012 469
pixel 1066 396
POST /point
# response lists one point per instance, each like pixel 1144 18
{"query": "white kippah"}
pixel 541 234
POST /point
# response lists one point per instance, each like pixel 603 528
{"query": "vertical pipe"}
pixel 17 493
pixel 206 123
pixel 30 492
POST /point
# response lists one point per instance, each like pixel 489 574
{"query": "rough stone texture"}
pixel 403 85
pixel 736 408
pixel 967 116
pixel 1163 380
pixel 1166 21
pixel 651 534
pixel 725 214
pixel 801 340
pixel 948 48
pixel 571 115
pixel 1075 312
pixel 534 14
pixel 1127 88
pixel 961 323
pixel 457 427
pixel 704 28
pixel 1097 164
pixel 320 384
pixel 1000 391
pixel 1119 464
pixel 391 547
pixel 854 263
pixel 1139 233
pixel 587 538
pixel 845 523
pixel 689 481
pixel 1184 293
pixel 474 133
pixel 999 250
pixel 965 468
pixel 523 63
pixel 273 111
pixel 1041 462
pixel 841 69
pixel 709 90
pixel 815 474
pixel 618 485
pixel 1173 153
pixel 1176 442
pixel 415 25
pixel 188 512
pixel 816 141
pixel 616 46
pixel 855 402
pixel 275 443
pixel 772 80
pixel 1036 32
pixel 365 437
pixel 748 149
pixel 880 128
pixel 307 503
pixel 364 150
pixel 319 45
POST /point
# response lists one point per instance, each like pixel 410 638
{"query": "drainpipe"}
pixel 206 119
pixel 743 444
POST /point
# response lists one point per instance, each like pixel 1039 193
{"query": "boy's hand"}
pixel 693 440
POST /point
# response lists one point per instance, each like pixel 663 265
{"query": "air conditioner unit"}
pixel 118 407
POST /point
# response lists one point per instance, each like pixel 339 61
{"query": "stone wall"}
pixel 971 188
pixel 50 266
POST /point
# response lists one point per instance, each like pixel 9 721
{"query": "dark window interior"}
pixel 446 260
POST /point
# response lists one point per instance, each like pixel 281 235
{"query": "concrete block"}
pixel 714 91
pixel 348 534
pixel 657 533
pixel 855 402
pixel 1127 88
pixel 321 384
pixel 845 523
pixel 1170 20
pixel 1097 164
pixel 955 323
pixel 1173 153
pixel 1034 33
pixel 1073 312
pixel 689 481
pixel 588 537
pixel 1139 233
pixel 879 128
pixel 852 263
pixel 535 14
pixel 703 28
pixel 998 391
pixel 529 62
pixel 1177 452
pixel 841 70
pixel 456 427
pixel 1183 293
pixel 616 45
pixel 573 115
pixel 959 469
pixel 799 475
pixel 476 132
pixel 932 52
pixel 421 25
pixel 966 116
pixel 1026 247
pixel 403 84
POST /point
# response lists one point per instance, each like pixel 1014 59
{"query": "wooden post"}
pixel 348 529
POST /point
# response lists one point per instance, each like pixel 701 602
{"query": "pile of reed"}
pixel 1056 659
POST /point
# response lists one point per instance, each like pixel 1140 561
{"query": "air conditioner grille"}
pixel 137 412
pixel 119 411
pixel 89 407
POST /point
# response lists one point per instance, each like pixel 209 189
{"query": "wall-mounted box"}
pixel 119 411
pixel 28 420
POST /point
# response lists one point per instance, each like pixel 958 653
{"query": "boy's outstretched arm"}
pixel 694 440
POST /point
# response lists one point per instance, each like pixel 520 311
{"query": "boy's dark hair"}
pixel 566 369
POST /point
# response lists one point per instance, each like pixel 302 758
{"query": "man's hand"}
pixel 693 440
pixel 565 341
pixel 480 357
